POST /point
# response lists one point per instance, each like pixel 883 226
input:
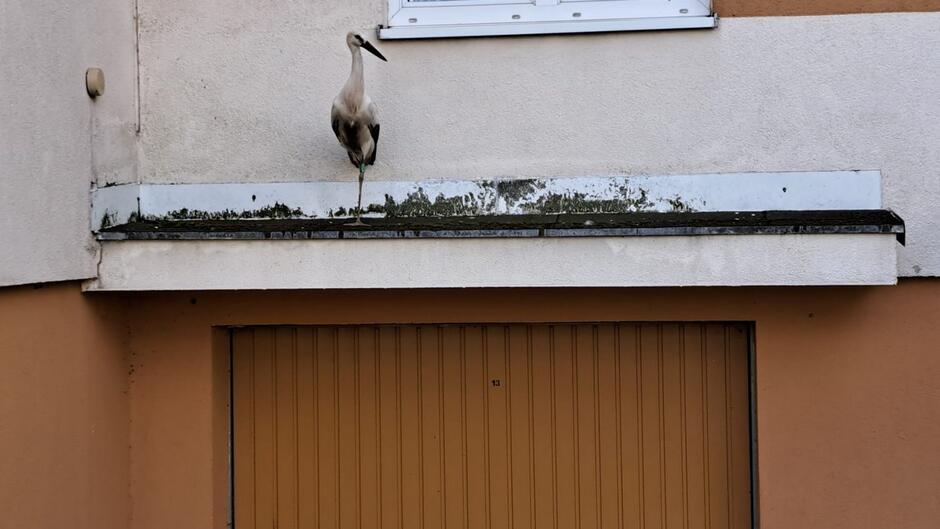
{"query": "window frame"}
pixel 465 18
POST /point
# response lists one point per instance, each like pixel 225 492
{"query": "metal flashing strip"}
pixel 856 222
pixel 725 230
pixel 546 28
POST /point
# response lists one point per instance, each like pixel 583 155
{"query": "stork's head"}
pixel 355 41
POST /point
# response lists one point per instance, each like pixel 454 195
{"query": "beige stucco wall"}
pixel 55 142
pixel 240 92
pixel 846 387
pixel 64 419
pixel 114 408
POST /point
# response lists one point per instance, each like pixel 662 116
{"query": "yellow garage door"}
pixel 496 426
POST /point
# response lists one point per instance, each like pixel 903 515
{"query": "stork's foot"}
pixel 357 222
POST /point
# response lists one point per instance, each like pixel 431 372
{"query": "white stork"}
pixel 354 117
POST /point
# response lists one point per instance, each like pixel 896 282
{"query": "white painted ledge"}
pixel 763 191
pixel 722 260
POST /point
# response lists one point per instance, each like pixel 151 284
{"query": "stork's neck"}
pixel 355 86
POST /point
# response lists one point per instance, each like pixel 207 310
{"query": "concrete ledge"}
pixel 708 260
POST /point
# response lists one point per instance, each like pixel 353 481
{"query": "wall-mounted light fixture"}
pixel 94 82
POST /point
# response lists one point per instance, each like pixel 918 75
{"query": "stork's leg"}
pixel 358 222
pixel 362 174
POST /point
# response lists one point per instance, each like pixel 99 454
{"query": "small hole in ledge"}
pixel 576 15
pixel 684 11
pixel 516 17
pixel 412 20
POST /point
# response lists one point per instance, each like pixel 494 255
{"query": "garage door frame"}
pixel 223 358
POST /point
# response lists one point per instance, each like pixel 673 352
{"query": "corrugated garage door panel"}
pixel 522 426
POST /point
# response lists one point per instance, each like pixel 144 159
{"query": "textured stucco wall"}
pixel 55 141
pixel 240 92
pixel 848 425
pixel 64 415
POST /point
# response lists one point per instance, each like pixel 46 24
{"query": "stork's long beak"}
pixel 371 49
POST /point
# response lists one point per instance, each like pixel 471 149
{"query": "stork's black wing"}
pixel 374 130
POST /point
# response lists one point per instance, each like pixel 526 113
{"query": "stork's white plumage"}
pixel 354 117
